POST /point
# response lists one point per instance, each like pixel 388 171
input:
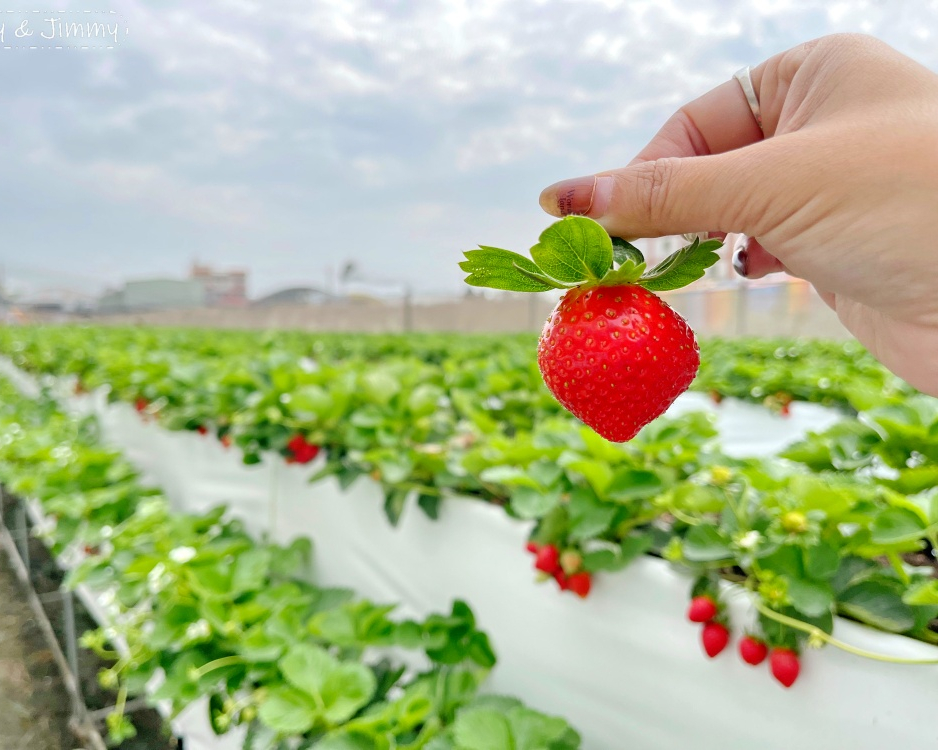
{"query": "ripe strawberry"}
pixel 752 650
pixel 702 609
pixel 714 637
pixel 141 404
pixel 562 580
pixel 616 357
pixel 612 352
pixel 226 440
pixel 302 452
pixel 785 666
pixel 580 584
pixel 548 559
pixel 202 429
pixel 532 547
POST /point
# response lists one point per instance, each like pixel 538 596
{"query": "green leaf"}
pixel 683 267
pixel 482 729
pixel 896 525
pixel 494 268
pixel 251 569
pixel 922 594
pixel 307 667
pixel 527 502
pixel 628 273
pixel 533 730
pixel 608 559
pixel 879 604
pixel 705 543
pixel 573 250
pixel 634 484
pixel 623 251
pixel 810 597
pixel 287 711
pixel 347 689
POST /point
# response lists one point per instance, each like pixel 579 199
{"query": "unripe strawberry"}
pixel 580 584
pixel 795 522
pixel 715 638
pixel 547 559
pixel 752 650
pixel 570 561
pixel 785 666
pixel 702 609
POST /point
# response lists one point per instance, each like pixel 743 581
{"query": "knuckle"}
pixel 654 185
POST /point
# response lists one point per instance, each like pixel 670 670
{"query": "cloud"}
pixel 291 136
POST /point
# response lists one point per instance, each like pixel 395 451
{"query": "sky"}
pixel 291 137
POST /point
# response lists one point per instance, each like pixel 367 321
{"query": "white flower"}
pixel 182 555
pixel 198 630
pixel 749 540
pixel 107 532
pixel 157 578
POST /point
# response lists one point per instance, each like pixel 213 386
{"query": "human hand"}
pixel 841 189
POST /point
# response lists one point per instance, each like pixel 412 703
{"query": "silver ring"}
pixel 744 77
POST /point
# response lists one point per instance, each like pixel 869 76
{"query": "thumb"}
pixel 729 192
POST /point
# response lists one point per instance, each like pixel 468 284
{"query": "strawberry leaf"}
pixel 628 273
pixel 502 269
pixel 683 267
pixel 573 250
pixel 623 251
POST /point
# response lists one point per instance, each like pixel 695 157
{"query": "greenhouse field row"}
pixel 383 451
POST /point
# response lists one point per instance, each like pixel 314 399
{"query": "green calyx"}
pixel 576 251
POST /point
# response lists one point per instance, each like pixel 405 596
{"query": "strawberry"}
pixel 532 547
pixel 612 352
pixel 226 440
pixel 714 637
pixel 616 357
pixel 547 559
pixel 702 609
pixel 301 451
pixel 562 580
pixel 141 404
pixel 752 650
pixel 571 561
pixel 202 429
pixel 785 666
pixel 580 584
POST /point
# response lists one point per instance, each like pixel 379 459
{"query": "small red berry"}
pixel 580 584
pixel 785 411
pixel 562 581
pixel 202 429
pixel 226 441
pixel 752 650
pixel 141 404
pixel 532 547
pixel 702 609
pixel 715 637
pixel 785 666
pixel 548 559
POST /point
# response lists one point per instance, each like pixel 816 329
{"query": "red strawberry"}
pixel 616 357
pixel 785 666
pixel 141 404
pixel 202 429
pixel 532 547
pixel 701 609
pixel 548 559
pixel 785 411
pixel 580 584
pixel 613 353
pixel 752 650
pixel 715 637
pixel 226 440
pixel 562 579
pixel 302 451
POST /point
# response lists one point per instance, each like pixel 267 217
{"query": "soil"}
pixel 33 701
pixel 34 705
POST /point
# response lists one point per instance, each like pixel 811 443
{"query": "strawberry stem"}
pixel 815 633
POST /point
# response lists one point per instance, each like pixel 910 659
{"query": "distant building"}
pixel 222 288
pixel 297 295
pixel 153 294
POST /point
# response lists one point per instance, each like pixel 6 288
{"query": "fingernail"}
pixel 741 261
pixel 587 196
